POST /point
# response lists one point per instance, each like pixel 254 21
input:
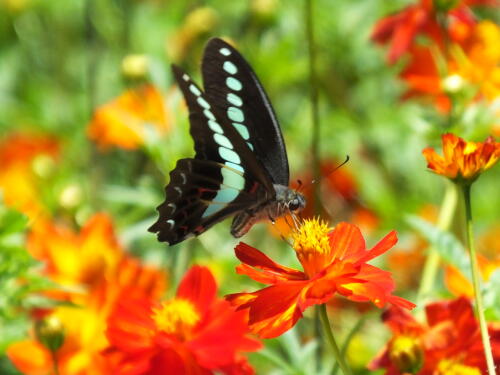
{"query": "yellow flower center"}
pixel 312 245
pixel 176 317
pixel 406 354
pixel 449 367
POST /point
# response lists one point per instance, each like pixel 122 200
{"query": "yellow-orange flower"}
pixel 480 62
pixel 18 180
pixel 463 161
pixel 125 121
pixel 73 259
pixel 94 272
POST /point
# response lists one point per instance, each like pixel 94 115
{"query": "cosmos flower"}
pixel 463 161
pixel 450 342
pixel 92 272
pixel 401 29
pixel 192 333
pixel 334 261
pixel 126 120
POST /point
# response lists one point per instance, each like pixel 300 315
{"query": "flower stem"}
pixel 476 282
pixel 331 339
pixel 55 362
pixel 313 90
pixel 431 267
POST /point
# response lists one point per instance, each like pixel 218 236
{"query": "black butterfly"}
pixel 240 167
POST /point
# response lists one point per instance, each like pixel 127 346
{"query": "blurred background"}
pixel 91 121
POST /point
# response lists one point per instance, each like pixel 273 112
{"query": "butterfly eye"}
pixel 294 205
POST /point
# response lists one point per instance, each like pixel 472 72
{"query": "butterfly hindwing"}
pixel 200 194
pixel 234 90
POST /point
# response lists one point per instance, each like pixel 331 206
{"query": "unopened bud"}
pixel 50 332
pixel 135 66
pixel 70 196
pixel 406 354
pixel 453 84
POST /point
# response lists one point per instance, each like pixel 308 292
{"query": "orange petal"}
pixel 30 357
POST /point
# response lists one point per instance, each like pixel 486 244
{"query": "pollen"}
pixel 312 245
pixel 176 317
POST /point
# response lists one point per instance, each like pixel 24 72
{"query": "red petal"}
pixel 346 240
pixel 384 244
pixel 276 309
pixel 198 286
pixel 221 336
pixel 272 270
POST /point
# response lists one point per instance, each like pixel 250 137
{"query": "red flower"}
pixel 449 344
pixel 193 333
pixel 333 262
pixel 401 29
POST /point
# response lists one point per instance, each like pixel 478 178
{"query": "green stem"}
pixel 331 339
pixel 347 341
pixel 313 90
pixel 55 362
pixel 476 282
pixel 431 267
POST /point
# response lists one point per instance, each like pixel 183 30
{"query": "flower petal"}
pixel 272 271
pixel 275 309
pixel 384 244
pixel 198 286
pixel 346 240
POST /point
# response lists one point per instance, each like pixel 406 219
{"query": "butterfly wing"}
pixel 222 179
pixel 235 91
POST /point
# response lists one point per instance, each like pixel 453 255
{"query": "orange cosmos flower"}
pixel 463 161
pixel 450 342
pixel 73 259
pixel 125 121
pixel 83 326
pixel 333 261
pixel 19 179
pixel 192 333
pixel 480 62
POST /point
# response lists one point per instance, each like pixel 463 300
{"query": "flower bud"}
pixel 406 354
pixel 50 332
pixel 453 84
pixel 135 66
pixel 71 196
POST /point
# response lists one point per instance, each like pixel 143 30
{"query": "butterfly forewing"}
pixel 223 178
pixel 235 92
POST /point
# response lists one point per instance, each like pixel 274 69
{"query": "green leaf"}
pixel 445 243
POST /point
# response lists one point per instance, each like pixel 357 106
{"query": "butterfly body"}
pixel 240 168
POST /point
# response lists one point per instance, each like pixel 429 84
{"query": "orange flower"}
pixel 463 161
pixel 83 326
pixel 75 259
pixel 192 333
pixel 18 180
pixel 449 344
pixel 333 261
pixel 480 62
pixel 125 121
pixel 93 272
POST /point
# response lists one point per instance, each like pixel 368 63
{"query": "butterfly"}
pixel 240 167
